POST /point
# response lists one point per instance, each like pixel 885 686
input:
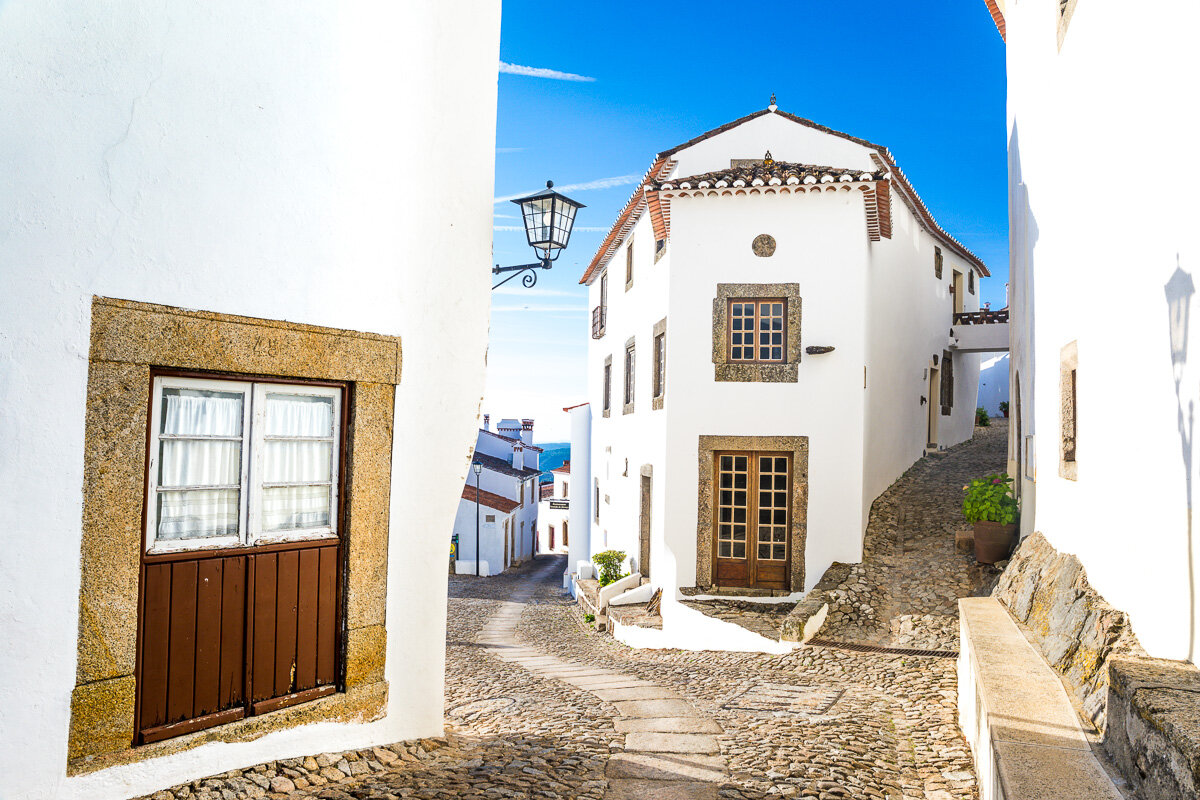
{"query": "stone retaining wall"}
pixel 1075 629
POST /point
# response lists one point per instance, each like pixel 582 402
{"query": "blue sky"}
pixel 620 81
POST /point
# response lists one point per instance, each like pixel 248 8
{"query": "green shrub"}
pixel 609 563
pixel 990 499
pixel 589 618
pixel 1004 407
pixel 981 417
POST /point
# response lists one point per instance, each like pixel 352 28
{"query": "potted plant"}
pixel 991 509
pixel 981 417
pixel 1004 408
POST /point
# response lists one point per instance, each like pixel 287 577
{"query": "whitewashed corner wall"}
pixel 328 165
pixel 1093 252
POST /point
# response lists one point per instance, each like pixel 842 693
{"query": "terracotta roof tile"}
pixel 780 173
pixel 547 491
pixel 486 498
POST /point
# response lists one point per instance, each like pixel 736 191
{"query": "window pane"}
pixel 294 507
pixel 739 549
pixel 777 309
pixel 780 552
pixel 777 354
pixel 299 415
pixel 199 462
pixel 781 465
pixel 739 533
pixel 781 482
pixel 198 412
pixel 726 462
pixel 297 462
pixel 764 551
pixel 198 514
pixel 723 550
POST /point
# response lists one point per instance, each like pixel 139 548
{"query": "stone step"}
pixel 666 767
pixel 656 742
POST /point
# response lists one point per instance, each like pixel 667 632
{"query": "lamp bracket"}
pixel 530 277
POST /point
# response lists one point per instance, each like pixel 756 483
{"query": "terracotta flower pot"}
pixel 993 541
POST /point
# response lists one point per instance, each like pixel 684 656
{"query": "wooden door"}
pixel 752 519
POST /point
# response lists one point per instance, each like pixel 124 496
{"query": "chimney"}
pixel 527 431
pixel 518 456
pixel 487 422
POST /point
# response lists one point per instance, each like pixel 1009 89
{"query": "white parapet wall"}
pixel 1023 731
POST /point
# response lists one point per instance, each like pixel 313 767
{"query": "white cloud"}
pixel 600 183
pixel 507 228
pixel 588 229
pixel 505 216
pixel 541 72
pixel 510 149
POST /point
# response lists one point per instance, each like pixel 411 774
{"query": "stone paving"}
pixel 540 705
pixel 905 592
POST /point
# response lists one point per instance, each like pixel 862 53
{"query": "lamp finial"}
pixel 771 105
pixel 768 160
pixel 549 184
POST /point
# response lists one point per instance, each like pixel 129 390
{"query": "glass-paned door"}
pixel 752 519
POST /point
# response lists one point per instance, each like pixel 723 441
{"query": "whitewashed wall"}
pixel 324 164
pixel 908 323
pixel 491 538
pixel 821 244
pixel 623 443
pixel 1092 269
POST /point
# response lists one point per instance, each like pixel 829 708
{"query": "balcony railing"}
pixel 598 319
pixel 981 317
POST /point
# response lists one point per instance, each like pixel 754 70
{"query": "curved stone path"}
pixel 671 749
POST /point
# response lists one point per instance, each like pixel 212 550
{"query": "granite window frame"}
pixel 629 264
pixel 130 342
pixel 660 364
pixel 630 372
pixel 937 262
pixel 708 446
pixel 726 370
pixel 1068 421
pixel 606 383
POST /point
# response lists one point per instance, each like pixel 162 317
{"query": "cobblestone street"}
pixel 540 705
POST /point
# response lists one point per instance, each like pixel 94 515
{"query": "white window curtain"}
pixel 199 463
pixel 297 462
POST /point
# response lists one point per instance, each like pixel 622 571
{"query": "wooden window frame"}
pixel 946 383
pixel 253 440
pixel 757 301
pixel 937 262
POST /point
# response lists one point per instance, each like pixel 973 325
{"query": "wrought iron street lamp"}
pixel 477 468
pixel 549 218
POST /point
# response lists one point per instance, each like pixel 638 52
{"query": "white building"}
pixel 508 500
pixel 219 221
pixel 993 383
pixel 1105 357
pixel 849 289
pixel 554 513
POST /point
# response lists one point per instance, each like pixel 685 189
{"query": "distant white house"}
pixel 554 512
pixel 774 342
pixel 506 514
pixel 993 383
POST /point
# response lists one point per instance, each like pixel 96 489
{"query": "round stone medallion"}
pixel 763 245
